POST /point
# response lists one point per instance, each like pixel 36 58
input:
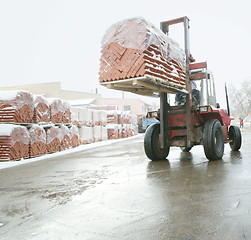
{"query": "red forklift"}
pixel 195 118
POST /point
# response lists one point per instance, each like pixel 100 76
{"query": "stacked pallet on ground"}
pixel 134 124
pixel 64 137
pixel 66 112
pixel 138 57
pixel 74 136
pixel 85 117
pixel 53 139
pixel 112 131
pixel 104 133
pixel 112 117
pixel 14 142
pixel 86 124
pixel 97 133
pixel 41 109
pixel 56 110
pixel 75 115
pixel 16 107
pixel 86 135
pixel 38 145
pixel 121 124
pixel 95 117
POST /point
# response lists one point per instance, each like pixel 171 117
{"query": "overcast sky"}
pixel 60 40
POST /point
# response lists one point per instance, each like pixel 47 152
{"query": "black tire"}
pixel 213 140
pixel 185 149
pixel 152 145
pixel 235 136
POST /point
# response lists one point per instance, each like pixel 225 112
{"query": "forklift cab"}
pixel 207 92
pixel 203 92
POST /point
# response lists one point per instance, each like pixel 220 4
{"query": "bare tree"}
pixel 240 99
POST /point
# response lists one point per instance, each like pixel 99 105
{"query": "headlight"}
pixel 203 109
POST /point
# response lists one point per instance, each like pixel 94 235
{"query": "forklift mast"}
pixel 164 26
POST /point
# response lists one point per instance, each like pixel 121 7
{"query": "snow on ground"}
pixel 80 148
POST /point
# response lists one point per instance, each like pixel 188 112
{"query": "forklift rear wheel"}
pixel 152 144
pixel 213 140
pixel 235 136
pixel 185 149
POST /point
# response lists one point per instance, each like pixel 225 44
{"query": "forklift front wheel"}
pixel 213 140
pixel 235 137
pixel 152 144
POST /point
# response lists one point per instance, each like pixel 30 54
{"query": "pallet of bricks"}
pixel 138 57
pixel 31 125
pixel 120 124
pixel 91 123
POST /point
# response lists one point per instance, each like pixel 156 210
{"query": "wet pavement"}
pixel 115 192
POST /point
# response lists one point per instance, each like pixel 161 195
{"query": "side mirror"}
pixel 217 105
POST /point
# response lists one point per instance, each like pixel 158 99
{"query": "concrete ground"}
pixel 115 192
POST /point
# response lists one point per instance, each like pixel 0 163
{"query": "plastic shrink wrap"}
pixel 97 133
pixel 14 142
pixel 56 110
pixel 66 112
pixel 16 107
pixel 64 137
pixel 41 109
pixel 104 133
pixel 74 136
pixel 112 131
pixel 37 136
pixel 135 49
pixel 53 139
pixel 102 118
pixel 75 115
pixel 85 117
pixel 112 117
pixel 95 117
pixel 86 135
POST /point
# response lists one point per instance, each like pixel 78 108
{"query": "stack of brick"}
pixel 85 117
pixel 97 133
pixel 75 115
pixel 121 124
pixel 102 118
pixel 64 137
pixel 48 123
pixel 56 110
pixel 14 142
pixel 134 124
pixel 113 128
pixel 104 133
pixel 95 117
pixel 86 122
pixel 74 136
pixel 53 139
pixel 37 136
pixel 41 110
pixel 134 48
pixel 112 131
pixel 112 117
pixel 86 135
pixel 66 112
pixel 16 107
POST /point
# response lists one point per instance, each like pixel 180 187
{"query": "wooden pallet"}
pixel 146 85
